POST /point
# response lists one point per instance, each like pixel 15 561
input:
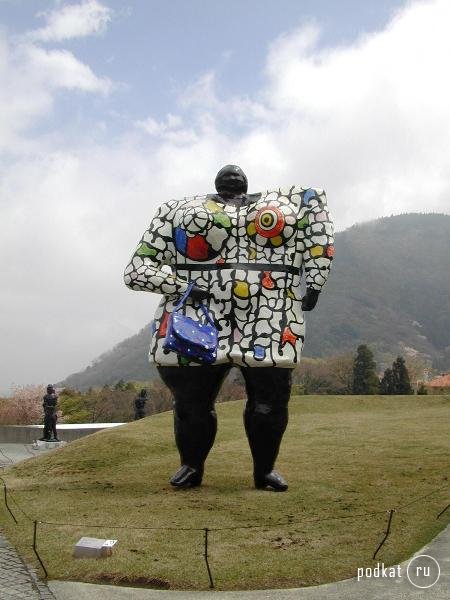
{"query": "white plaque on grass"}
pixel 88 547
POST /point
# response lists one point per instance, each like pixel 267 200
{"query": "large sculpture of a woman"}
pixel 246 254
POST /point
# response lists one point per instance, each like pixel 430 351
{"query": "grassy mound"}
pixel 343 457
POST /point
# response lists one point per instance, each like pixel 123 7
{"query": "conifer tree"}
pixel 396 380
pixel 387 383
pixel 365 380
pixel 401 377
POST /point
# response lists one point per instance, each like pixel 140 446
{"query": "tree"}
pixel 401 377
pixel 24 407
pixel 396 380
pixel 341 370
pixel 120 385
pixel 387 383
pixel 365 380
pixel 419 368
pixel 422 390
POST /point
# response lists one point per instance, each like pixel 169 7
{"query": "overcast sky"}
pixel 108 109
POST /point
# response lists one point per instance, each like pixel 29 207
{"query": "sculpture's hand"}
pixel 199 294
pixel 309 300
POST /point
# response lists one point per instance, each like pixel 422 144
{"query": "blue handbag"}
pixel 190 338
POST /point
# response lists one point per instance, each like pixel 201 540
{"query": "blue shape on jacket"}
pixel 180 240
pixel 259 352
pixel 308 195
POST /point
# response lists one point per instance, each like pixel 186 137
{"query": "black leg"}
pixel 265 420
pixel 195 390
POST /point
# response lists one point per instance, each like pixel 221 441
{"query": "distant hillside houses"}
pixel 439 385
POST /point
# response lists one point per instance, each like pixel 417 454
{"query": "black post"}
pixel 391 514
pixel 6 502
pixel 211 582
pixel 35 549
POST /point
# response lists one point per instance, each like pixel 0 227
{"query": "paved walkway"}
pixel 12 453
pixel 18 581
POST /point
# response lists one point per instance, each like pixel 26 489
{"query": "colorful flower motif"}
pixel 212 206
pixel 180 239
pixel 303 222
pixel 270 226
pixel 269 222
pixel 237 335
pixel 241 289
pixel 197 248
pixel 267 281
pixel 163 325
pixel 222 219
pixel 146 250
pixel 288 337
pixel 308 195
pixel 259 352
pixel 316 251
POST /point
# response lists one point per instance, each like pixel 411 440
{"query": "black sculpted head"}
pixel 231 180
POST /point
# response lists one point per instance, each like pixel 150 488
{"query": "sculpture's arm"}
pixel 155 249
pixel 318 242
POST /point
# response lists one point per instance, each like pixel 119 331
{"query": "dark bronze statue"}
pixel 50 417
pixel 246 254
pixel 139 405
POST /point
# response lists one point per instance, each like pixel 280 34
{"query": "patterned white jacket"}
pixel 250 254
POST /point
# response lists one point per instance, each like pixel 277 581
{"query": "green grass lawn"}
pixel 342 456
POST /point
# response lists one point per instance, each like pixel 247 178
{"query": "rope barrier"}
pixel 400 508
pixel 443 511
pixel 290 521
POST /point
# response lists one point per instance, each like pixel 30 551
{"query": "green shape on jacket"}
pixel 221 218
pixel 303 222
pixel 145 250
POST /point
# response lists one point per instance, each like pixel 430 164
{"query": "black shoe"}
pixel 187 477
pixel 272 481
pixel 44 440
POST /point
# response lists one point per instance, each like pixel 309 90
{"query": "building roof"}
pixel 442 381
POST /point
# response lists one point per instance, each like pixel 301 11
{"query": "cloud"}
pixel 376 112
pixel 60 69
pixel 73 21
pixel 30 77
pixel 170 130
pixel 369 121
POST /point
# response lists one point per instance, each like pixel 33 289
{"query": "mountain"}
pixel 389 288
pixel 128 361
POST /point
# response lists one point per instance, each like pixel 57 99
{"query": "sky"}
pixel 110 108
